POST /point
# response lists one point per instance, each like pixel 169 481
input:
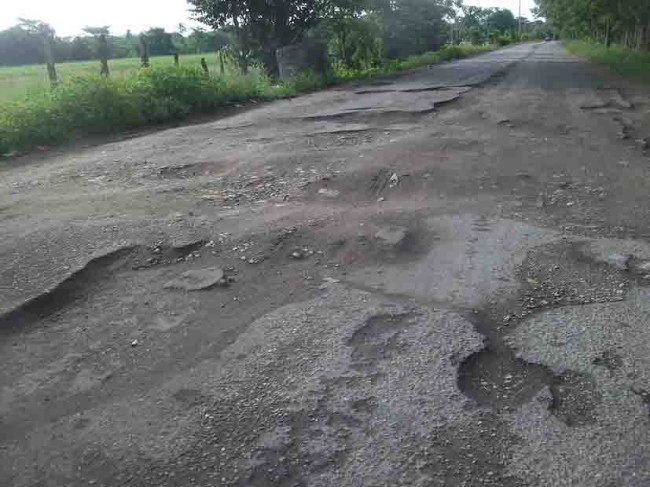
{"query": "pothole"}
pixel 498 379
pixel 89 278
pixel 495 377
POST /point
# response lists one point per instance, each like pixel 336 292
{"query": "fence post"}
pixel 204 65
pixel 49 58
pixel 144 51
pixel 222 67
pixel 103 54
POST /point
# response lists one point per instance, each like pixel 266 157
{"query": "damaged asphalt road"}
pixel 433 279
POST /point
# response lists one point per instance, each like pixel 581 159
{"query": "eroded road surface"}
pixel 435 279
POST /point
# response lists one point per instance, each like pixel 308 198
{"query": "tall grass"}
pixel 623 60
pixel 93 105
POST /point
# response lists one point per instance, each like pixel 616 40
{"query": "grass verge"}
pixel 94 105
pixel 623 60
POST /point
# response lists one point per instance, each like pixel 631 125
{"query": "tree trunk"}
pixel 608 36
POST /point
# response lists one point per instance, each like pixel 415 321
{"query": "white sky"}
pixel 68 17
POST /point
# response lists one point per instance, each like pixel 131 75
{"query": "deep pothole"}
pixel 495 377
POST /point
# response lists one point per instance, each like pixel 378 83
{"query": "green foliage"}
pixel 622 59
pixel 303 82
pixel 98 105
pixel 607 21
pixel 260 27
pixel 353 42
pixel 479 25
pixel 501 21
pixel 447 53
pixel 18 82
pixel 93 104
pixel 23 44
pixel 414 26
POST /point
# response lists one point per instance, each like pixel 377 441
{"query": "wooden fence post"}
pixel 103 54
pixel 144 51
pixel 49 58
pixel 222 67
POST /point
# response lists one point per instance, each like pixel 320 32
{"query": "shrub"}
pixel 98 105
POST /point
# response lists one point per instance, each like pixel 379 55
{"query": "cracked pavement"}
pixel 437 278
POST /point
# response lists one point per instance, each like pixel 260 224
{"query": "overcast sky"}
pixel 68 17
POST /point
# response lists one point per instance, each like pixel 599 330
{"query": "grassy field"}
pixel 16 82
pixel 625 61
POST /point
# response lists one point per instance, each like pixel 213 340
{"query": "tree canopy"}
pixel 23 43
pixel 624 21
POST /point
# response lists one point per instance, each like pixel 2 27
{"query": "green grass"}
pixel 17 82
pixel 621 59
pixel 85 104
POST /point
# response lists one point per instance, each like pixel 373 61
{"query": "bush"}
pixel 501 40
pixel 97 105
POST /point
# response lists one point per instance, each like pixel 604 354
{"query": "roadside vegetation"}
pixel 616 34
pixel 105 92
pixel 628 62
pixel 19 82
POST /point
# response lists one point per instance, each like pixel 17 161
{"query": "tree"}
pixel 624 21
pixel 160 42
pixel 46 34
pixel 414 26
pixel 501 21
pixel 260 27
pixel 352 32
pixel 19 46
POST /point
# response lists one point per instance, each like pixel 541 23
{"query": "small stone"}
pixel 134 343
pixel 391 235
pixel 200 279
pixel 329 193
pixel 643 144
